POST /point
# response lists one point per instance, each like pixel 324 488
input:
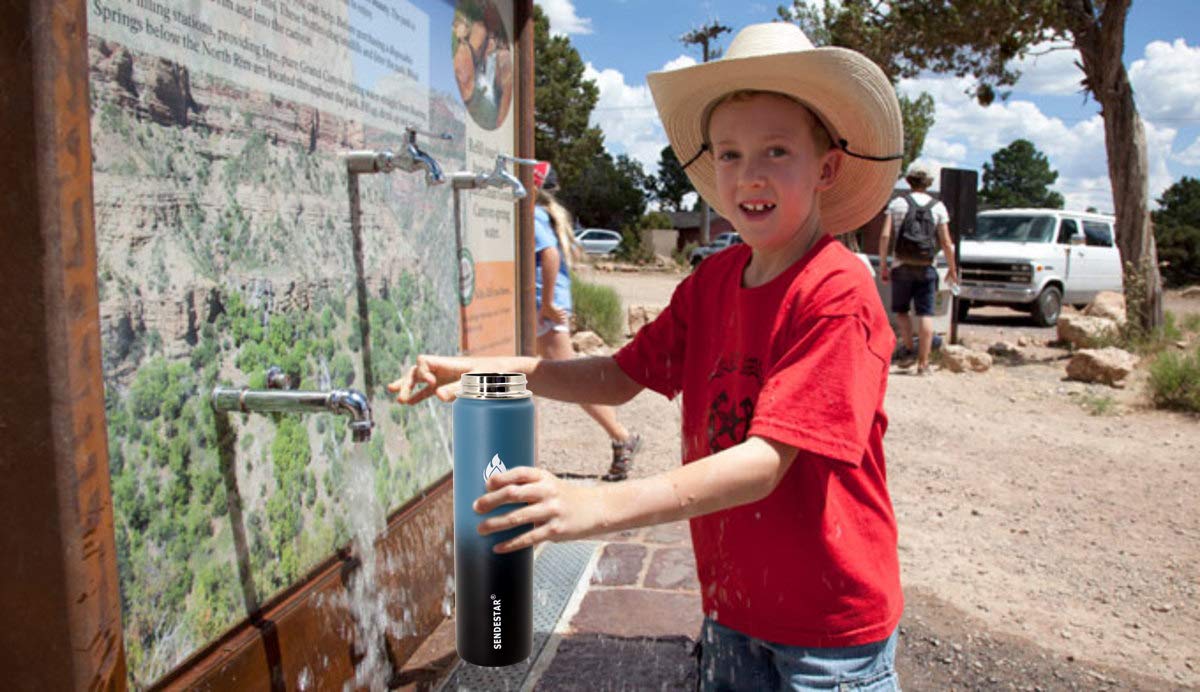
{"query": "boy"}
pixel 780 348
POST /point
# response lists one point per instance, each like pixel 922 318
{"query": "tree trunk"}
pixel 1101 44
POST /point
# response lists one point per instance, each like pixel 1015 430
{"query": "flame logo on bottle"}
pixel 497 466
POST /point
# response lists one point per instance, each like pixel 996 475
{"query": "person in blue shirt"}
pixel 554 246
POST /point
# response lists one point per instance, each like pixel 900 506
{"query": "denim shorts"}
pixel 913 284
pixel 730 660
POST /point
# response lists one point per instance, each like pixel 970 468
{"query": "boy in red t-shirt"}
pixel 780 348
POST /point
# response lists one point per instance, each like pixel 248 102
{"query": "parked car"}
pixel 598 241
pixel 1037 259
pixel 719 243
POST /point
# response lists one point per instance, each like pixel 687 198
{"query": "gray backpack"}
pixel 916 240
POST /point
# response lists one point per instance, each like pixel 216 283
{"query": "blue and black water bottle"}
pixel 493 432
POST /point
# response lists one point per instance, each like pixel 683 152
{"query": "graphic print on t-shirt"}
pixel 729 420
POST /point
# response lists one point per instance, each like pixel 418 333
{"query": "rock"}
pixel 1005 349
pixel 641 315
pixel 1022 341
pixel 1106 365
pixel 171 98
pixel 1083 331
pixel 588 343
pixel 604 266
pixel 1108 304
pixel 961 359
pixel 1191 292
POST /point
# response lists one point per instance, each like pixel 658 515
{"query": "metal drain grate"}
pixel 556 573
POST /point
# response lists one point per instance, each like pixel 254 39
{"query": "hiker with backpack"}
pixel 922 224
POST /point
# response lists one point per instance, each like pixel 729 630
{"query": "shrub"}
pixel 654 220
pixel 1175 381
pixel 597 308
pixel 683 257
pixel 635 247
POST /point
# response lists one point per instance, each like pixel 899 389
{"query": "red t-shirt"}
pixel 802 360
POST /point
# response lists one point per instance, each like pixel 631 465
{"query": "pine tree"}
pixel 1019 176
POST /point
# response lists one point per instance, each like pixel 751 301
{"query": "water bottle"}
pixel 493 432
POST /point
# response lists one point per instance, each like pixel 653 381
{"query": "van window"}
pixel 1098 233
pixel 1066 230
pixel 1016 229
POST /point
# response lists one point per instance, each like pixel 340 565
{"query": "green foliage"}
pixel 654 220
pixel 1177 232
pixel 635 247
pixel 1175 381
pixel 598 309
pixel 1019 176
pixel 917 117
pixel 683 256
pixel 672 182
pixel 563 103
pixel 610 193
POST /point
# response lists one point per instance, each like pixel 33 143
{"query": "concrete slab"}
pixel 633 612
pixel 673 568
pixel 620 564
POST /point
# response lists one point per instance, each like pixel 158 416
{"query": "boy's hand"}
pixel 435 374
pixel 885 273
pixel 559 511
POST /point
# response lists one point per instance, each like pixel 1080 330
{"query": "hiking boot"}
pixel 622 459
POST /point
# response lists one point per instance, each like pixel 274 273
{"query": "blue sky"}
pixel 622 40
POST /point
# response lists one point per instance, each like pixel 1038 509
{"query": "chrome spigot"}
pixel 498 177
pixel 410 160
pixel 345 402
pixel 414 159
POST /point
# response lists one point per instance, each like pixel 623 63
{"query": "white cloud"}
pixel 563 19
pixel 1191 155
pixel 966 135
pixel 680 62
pixel 626 114
pixel 1049 68
pixel 1161 85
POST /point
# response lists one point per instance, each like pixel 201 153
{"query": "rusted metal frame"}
pixel 61 623
pixel 526 303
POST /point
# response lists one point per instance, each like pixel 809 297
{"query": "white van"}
pixel 1037 259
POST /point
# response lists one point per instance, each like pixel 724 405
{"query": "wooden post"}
pixel 958 191
pixel 61 622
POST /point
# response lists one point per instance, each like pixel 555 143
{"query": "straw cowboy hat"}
pixel 845 90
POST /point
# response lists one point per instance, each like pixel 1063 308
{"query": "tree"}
pixel 609 193
pixel 984 38
pixel 672 183
pixel 1177 231
pixel 1019 176
pixel 563 103
pixel 917 116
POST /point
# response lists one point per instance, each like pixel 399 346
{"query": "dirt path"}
pixel 1067 540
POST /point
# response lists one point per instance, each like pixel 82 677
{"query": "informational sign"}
pixel 225 246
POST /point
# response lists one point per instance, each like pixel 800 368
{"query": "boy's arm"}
pixel 595 380
pixel 562 511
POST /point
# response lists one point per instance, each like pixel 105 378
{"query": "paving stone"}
pixel 639 613
pixel 620 564
pixel 676 532
pixel 431 661
pixel 673 568
pixel 601 662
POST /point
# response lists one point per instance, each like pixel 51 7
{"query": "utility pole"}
pixel 704 37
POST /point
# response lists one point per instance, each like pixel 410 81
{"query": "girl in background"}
pixel 554 247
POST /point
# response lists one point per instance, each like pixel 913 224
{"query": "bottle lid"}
pixel 493 385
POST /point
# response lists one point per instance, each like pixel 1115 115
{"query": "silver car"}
pixel 719 243
pixel 598 241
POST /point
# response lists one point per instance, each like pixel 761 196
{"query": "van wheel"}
pixel 1047 307
pixel 964 307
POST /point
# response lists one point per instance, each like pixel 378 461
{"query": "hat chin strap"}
pixel 845 146
pixel 841 144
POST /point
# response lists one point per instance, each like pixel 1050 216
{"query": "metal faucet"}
pixel 498 177
pixel 412 159
pixel 279 399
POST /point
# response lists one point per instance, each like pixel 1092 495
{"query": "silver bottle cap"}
pixel 493 385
